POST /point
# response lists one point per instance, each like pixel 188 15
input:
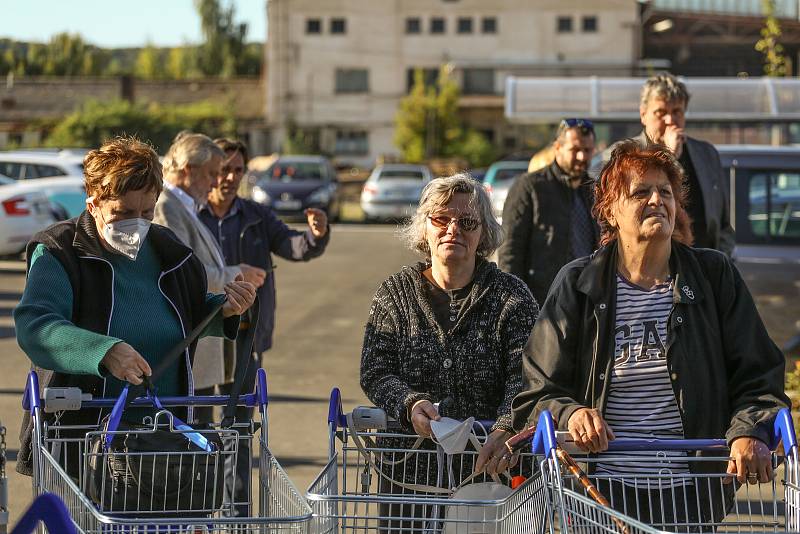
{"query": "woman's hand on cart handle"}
pixel 589 430
pixel 240 296
pixel 124 363
pixel 421 415
pixel 495 457
pixel 751 461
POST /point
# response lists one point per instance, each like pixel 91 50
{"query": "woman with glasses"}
pixel 451 328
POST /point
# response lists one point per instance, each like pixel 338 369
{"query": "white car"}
pixel 392 191
pixel 24 210
pixel 59 173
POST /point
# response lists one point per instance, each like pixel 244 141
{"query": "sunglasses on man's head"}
pixel 585 126
pixel 467 224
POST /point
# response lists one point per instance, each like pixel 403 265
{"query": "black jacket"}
pixel 726 372
pixel 537 223
pixel 76 245
pixel 407 356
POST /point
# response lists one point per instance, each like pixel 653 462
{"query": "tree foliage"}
pixel 768 45
pixel 224 52
pixel 428 125
pixel 97 121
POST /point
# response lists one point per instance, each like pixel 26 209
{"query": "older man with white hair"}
pixel 191 167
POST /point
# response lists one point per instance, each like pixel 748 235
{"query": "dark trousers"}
pixel 238 476
pixel 679 509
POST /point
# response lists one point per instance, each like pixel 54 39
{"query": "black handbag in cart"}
pixel 175 470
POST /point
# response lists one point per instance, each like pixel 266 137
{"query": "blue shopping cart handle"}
pixel 335 414
pixel 48 508
pixel 30 399
pixel 250 400
pixel 544 440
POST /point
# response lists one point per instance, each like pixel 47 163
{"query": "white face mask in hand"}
pixel 452 435
pixel 126 236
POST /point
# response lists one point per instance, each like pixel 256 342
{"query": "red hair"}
pixel 631 159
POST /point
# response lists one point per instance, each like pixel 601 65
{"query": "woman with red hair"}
pixel 651 338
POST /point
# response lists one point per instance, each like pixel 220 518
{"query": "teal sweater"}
pixel 141 317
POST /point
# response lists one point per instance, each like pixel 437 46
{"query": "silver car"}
pixel 392 191
pixel 499 179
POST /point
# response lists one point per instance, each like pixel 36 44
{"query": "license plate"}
pixel 287 204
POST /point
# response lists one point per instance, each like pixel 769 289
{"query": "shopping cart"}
pixel 704 500
pixel 279 506
pixel 47 508
pixel 381 480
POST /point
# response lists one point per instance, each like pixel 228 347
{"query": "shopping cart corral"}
pixel 185 487
pixel 379 479
pixel 704 500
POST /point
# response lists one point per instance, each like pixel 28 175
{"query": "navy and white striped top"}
pixel 641 402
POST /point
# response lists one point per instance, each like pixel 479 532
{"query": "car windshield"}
pixel 410 174
pixel 507 174
pixel 294 171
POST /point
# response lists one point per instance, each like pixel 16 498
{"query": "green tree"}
pixel 181 63
pixel 428 125
pixel 223 52
pixel 411 121
pixel 150 63
pixel 97 121
pixel 768 45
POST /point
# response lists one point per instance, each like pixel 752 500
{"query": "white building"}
pixel 340 67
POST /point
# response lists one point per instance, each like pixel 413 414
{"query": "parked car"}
pixel 23 212
pixel 764 183
pixel 498 180
pixel 58 173
pixel 41 163
pixel 293 183
pixel 392 191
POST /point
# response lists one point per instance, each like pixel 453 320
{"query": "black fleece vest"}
pixel 77 247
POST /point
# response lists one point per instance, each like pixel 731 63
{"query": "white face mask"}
pixel 126 236
pixel 452 435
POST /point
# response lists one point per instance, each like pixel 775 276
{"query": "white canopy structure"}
pixel 538 100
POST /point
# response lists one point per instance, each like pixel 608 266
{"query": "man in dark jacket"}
pixel 547 217
pixel 249 232
pixel 662 109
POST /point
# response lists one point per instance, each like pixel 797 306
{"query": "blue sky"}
pixel 120 23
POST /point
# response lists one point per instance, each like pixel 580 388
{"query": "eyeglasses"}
pixel 467 224
pixel 585 124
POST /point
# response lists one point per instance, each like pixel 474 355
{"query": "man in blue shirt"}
pixel 249 232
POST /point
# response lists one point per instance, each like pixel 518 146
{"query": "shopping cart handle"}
pixel 48 508
pixel 30 399
pixel 335 413
pixel 544 440
pixel 623 445
pixel 261 391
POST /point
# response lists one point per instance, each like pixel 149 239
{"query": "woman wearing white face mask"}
pixel 108 293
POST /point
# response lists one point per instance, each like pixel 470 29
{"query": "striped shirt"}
pixel 641 403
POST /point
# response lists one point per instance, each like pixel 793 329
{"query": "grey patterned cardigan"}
pixel 406 356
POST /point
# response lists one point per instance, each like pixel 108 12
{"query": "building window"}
pixel 429 76
pixel 338 26
pixel 313 26
pixel 564 24
pixel 464 25
pixel 413 25
pixel 352 81
pixel 590 24
pixel 489 25
pixel 437 25
pixel 351 143
pixel 479 82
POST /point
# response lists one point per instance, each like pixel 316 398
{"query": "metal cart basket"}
pixel 703 500
pixel 63 454
pixel 382 480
